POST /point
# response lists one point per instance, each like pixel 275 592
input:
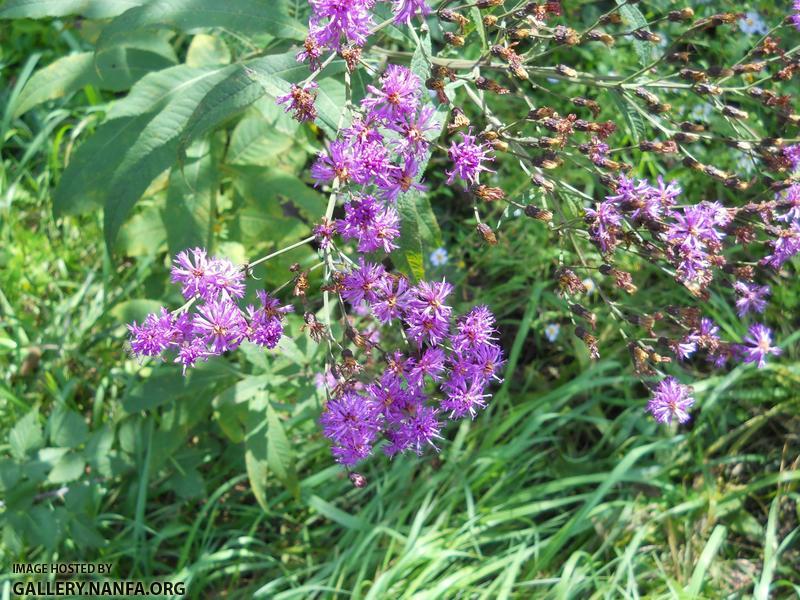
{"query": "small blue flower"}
pixel 551 331
pixel 753 24
pixel 439 257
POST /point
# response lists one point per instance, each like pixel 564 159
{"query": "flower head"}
pixel 758 345
pixel 750 297
pixel 671 400
pixel 300 100
pixel 468 157
pixel 397 97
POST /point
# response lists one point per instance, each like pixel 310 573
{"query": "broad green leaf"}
pixel 167 384
pixel 69 468
pixel 142 235
pixel 138 141
pixel 67 428
pixel 26 435
pixel 280 459
pixel 191 201
pixel 207 50
pixel 91 9
pixel 241 16
pixel 134 310
pixel 419 233
pixel 59 78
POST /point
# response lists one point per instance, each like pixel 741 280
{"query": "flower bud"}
pixel 686 138
pixel 647 36
pixel 453 39
pixel 754 67
pixel 487 234
pixel 566 35
pixel 589 340
pixel 540 214
pixel 542 182
pixel 488 194
pixel 460 120
pixel 600 36
pixel 357 479
pixel 734 113
pixel 708 89
pixel 569 282
pixel 584 313
pixel 452 16
pixel 488 3
pixel 693 75
pixel 684 14
pixel 566 71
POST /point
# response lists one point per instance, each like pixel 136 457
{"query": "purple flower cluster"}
pixel 459 359
pixel 796 14
pixel 468 157
pixel 300 100
pixel 336 24
pixel 378 158
pixel 219 324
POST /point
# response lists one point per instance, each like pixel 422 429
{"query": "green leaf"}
pixel 67 428
pixel 255 454
pixel 633 120
pixel 241 16
pixel 142 235
pixel 167 384
pixel 134 310
pixel 91 9
pixel 26 435
pixel 280 458
pixel 69 468
pixel 207 50
pixel 419 233
pixel 59 78
pixel 191 201
pixel 634 19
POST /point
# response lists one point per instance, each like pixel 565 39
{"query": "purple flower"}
pixel 796 15
pixel 467 157
pixel 414 130
pixel 431 363
pixel 789 199
pixel 750 297
pixel 427 315
pixel 758 345
pixel 338 163
pixel 463 398
pixel 312 50
pixel 190 351
pixel 401 180
pixel 670 400
pixel 393 296
pixel 193 273
pixel 405 10
pixel 397 97
pixel 154 335
pixel 221 324
pixel 226 280
pixel 474 329
pixel 301 101
pixel 604 224
pixel 785 245
pixel 332 20
pixel 419 429
pixel 792 153
pixel 352 423
pixel 361 283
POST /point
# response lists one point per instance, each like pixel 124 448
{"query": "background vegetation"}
pixel 561 488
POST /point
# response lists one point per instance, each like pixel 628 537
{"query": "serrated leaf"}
pixel 242 16
pixel 26 435
pixel 67 428
pixel 137 142
pixel 634 19
pixel 91 9
pixel 69 468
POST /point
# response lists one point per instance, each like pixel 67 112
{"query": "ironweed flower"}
pixel 758 345
pixel 671 400
pixel 468 157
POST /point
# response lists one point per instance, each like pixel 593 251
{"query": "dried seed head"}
pixel 301 284
pixel 640 357
pixel 647 36
pixel 754 67
pixel 686 138
pixel 357 479
pixel 593 106
pixel 540 214
pixel 566 71
pixel 541 181
pixel 612 18
pixel 453 39
pixel 500 145
pixel 684 14
pixel 622 279
pixel 316 330
pixel 566 35
pixel 584 313
pixel 589 340
pixel 649 97
pixel 519 33
pixel 708 89
pixel 569 282
pixel 600 36
pixel 488 3
pixel 351 56
pixel 489 21
pixel 460 120
pixel 452 16
pixel 693 75
pixel 488 194
pixel 690 127
pixel 482 83
pixel 682 57
pixel 487 234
